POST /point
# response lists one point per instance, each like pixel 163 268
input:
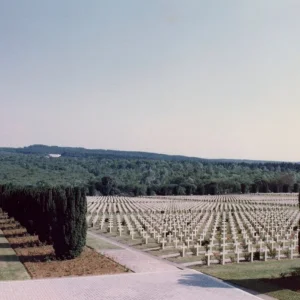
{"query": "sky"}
pixel 212 79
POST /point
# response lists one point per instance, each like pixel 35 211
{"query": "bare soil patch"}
pixel 39 259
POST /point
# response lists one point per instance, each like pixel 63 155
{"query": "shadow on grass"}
pixel 254 286
pixel 259 286
pixel 291 282
pixel 9 258
pixel 201 280
pixel 4 245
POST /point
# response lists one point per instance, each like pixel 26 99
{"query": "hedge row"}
pixel 56 215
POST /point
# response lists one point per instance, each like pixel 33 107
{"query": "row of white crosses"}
pixel 98 205
pixel 186 223
pixel 192 233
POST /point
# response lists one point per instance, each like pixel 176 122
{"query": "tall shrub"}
pixel 69 232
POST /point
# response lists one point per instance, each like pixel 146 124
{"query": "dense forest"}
pixel 110 172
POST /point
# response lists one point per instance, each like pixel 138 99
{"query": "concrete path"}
pixel 133 259
pixel 173 285
pixel 10 266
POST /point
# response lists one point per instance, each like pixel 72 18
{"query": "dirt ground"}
pixel 40 261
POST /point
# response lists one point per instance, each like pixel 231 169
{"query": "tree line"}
pixel 107 186
pixel 122 174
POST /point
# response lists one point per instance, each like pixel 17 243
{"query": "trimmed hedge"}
pixel 56 215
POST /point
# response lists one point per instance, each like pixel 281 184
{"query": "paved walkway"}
pixel 173 285
pixel 10 266
pixel 135 260
pixel 155 279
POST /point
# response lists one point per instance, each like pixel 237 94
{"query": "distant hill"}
pixel 82 152
pixel 134 173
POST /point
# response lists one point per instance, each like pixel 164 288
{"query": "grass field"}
pixel 264 278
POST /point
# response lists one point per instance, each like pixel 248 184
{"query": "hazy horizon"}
pixel 156 152
pixel 209 79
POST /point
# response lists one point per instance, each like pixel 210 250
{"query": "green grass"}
pixel 186 259
pixel 164 252
pixel 10 266
pixel 252 275
pixel 147 246
pixel 98 243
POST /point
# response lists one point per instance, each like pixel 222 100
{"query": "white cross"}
pixel 266 253
pixel 236 244
pixel 200 240
pixel 158 236
pixel 181 236
pixel 260 245
pixel 132 234
pixel 163 241
pixel 295 240
pixel 165 232
pixel 208 254
pixel 183 247
pixel 238 255
pixel 121 230
pixel 223 253
pixel 146 238
pixel 188 240
pixel 272 244
pixel 197 249
pixel 251 253
pixel 278 252
pixel 291 252
pixel 176 242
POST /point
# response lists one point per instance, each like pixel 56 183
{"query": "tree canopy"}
pixel 138 173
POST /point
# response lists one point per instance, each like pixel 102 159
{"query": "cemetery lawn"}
pixel 39 259
pixel 262 277
pixel 99 244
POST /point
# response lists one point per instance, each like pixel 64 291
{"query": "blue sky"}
pixel 215 79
